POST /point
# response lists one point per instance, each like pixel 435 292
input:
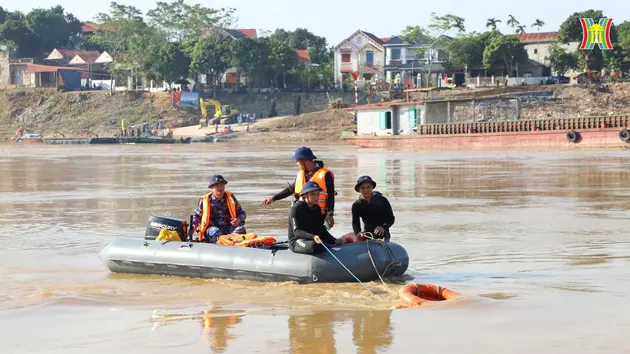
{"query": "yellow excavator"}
pixel 222 114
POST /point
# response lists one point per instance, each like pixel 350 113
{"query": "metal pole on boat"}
pixel 355 277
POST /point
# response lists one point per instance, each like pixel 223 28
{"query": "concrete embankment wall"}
pixel 285 101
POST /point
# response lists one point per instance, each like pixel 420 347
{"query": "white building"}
pixel 362 52
pixel 538 46
pixel 398 118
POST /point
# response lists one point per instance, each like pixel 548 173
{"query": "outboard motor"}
pixel 157 223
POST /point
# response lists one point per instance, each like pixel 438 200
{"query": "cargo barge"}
pixel 432 126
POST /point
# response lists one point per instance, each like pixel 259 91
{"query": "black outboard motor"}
pixel 157 223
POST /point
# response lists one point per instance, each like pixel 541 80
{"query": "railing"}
pixel 546 124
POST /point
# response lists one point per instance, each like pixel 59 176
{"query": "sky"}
pixel 338 19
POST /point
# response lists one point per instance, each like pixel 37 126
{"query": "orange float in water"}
pixel 415 294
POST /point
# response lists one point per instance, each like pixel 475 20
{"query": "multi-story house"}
pixel 412 64
pixel 362 52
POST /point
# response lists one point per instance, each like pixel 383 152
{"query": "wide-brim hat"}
pixel 310 186
pixel 362 180
pixel 304 153
pixel 216 179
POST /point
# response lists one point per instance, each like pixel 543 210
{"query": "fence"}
pixel 581 123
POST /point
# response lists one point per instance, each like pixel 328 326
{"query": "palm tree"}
pixel 538 23
pixel 512 22
pixel 492 23
pixel 520 29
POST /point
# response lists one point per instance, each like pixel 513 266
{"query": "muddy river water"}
pixel 538 242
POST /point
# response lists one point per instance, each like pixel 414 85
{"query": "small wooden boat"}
pixel 28 138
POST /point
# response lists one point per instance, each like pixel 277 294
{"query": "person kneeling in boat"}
pixel 218 213
pixel 374 209
pixel 306 223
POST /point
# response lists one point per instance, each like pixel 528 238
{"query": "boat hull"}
pixel 557 139
pixel 201 260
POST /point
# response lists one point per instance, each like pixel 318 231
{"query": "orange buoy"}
pixel 415 294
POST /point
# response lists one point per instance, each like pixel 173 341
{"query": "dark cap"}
pixel 310 186
pixel 216 179
pixel 303 153
pixel 362 180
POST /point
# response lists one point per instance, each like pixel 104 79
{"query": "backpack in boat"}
pixel 245 240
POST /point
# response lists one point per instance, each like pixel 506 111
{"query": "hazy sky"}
pixel 337 19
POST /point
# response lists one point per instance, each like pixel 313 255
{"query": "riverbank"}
pixel 328 125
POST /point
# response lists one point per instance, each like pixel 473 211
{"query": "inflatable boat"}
pixel 276 263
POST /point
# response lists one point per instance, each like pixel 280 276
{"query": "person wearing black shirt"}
pixel 373 208
pixel 306 223
pixel 311 170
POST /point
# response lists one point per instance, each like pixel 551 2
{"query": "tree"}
pixel 538 24
pixel 181 21
pixel 443 24
pixel 623 44
pixel 506 50
pixel 53 28
pixel 512 22
pixel 281 58
pixel 302 38
pixel 209 55
pixel 37 33
pixel 571 31
pixel 415 34
pixel 561 61
pixel 251 56
pixel 3 15
pixel 520 29
pixel 465 51
pixel 169 63
pixel 16 35
pixel 119 26
pixel 492 23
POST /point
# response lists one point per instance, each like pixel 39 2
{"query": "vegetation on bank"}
pixel 497 51
pixel 47 112
pixel 174 40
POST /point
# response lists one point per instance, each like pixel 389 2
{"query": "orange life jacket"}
pixel 318 177
pixel 245 240
pixel 206 213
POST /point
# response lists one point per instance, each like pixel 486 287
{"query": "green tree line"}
pixel 171 41
pixel 495 50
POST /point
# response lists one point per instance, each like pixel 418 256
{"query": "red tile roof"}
pixel 88 57
pixel 537 37
pixel 249 32
pixel 303 55
pixel 89 27
pixel 38 68
pixel 70 53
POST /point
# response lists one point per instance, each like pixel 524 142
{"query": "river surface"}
pixel 538 242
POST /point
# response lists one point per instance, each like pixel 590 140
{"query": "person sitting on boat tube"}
pixel 311 170
pixel 218 213
pixel 306 223
pixel 373 208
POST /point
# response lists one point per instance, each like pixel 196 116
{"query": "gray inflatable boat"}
pixel 276 264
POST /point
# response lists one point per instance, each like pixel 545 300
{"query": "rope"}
pixel 355 277
pixel 388 253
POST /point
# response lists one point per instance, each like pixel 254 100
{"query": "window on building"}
pixel 369 58
pixel 535 51
pixel 395 54
pixel 345 58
